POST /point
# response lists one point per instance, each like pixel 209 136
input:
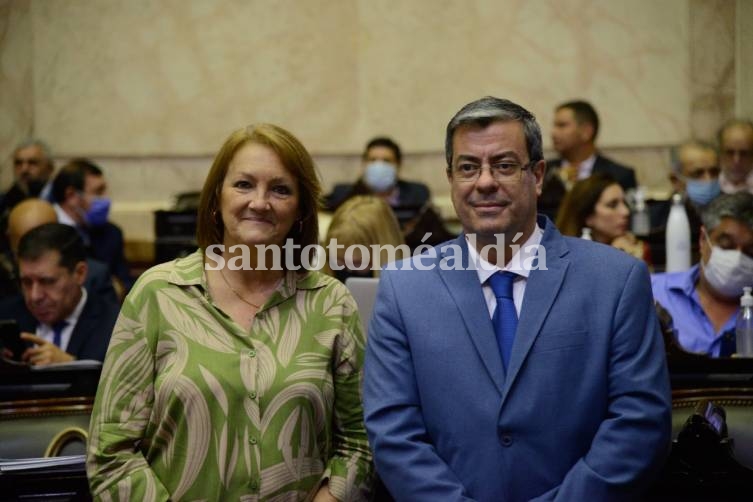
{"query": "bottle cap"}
pixel 677 199
pixel 746 300
pixel 585 233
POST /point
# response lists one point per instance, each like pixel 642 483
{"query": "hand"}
pixel 43 352
pixel 324 495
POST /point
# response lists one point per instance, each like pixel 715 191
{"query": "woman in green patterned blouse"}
pixel 230 374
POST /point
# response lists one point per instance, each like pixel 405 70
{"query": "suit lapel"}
pixel 465 289
pixel 84 326
pixel 542 289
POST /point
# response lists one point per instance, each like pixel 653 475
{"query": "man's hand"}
pixel 43 352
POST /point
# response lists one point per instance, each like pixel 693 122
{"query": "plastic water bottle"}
pixel 744 325
pixel 585 233
pixel 678 237
pixel 641 225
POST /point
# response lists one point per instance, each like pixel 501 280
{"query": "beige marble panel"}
pixel 167 77
pixel 712 65
pixel 16 91
pixel 174 77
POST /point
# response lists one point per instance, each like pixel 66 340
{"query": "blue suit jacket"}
pixel 583 411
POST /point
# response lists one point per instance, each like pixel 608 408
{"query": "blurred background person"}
pixel 79 191
pixel 703 301
pixel 55 312
pixel 380 176
pixel 736 147
pixel 32 172
pixel 264 362
pixel 598 203
pixel 694 174
pixel 364 220
pixel 32 213
pixel 574 132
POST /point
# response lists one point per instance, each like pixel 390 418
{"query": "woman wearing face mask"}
pixel 381 161
pixel 704 300
pixel 598 203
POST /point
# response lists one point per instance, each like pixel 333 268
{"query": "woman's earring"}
pixel 300 226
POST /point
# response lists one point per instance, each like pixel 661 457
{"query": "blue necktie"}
pixel 57 332
pixel 505 317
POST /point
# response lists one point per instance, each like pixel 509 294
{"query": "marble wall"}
pixel 150 89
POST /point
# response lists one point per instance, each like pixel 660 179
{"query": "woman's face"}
pixel 611 215
pixel 259 198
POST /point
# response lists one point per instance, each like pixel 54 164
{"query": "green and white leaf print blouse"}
pixel 191 406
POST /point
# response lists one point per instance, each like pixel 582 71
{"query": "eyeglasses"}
pixel 502 172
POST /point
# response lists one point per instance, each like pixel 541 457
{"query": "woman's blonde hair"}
pixel 367 220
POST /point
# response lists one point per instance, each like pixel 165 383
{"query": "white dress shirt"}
pixel 486 270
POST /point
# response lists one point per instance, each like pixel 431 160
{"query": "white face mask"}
pixel 728 271
pixel 380 176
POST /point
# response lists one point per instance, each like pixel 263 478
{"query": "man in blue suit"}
pixel 575 406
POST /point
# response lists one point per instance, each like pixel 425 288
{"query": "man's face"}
pixel 382 153
pixel 729 234
pixel 696 164
pixel 30 164
pixel 487 206
pixel 737 153
pixel 51 292
pixel 567 133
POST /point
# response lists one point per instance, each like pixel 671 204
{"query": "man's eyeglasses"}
pixel 502 172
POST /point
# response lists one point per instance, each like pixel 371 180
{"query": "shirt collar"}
pixel 486 269
pixel 72 319
pixel 728 187
pixel 685 281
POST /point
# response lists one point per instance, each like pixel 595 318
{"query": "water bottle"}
pixel 585 233
pixel 640 224
pixel 744 325
pixel 678 237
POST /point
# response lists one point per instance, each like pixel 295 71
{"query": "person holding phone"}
pixel 58 319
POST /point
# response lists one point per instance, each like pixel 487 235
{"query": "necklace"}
pixel 235 291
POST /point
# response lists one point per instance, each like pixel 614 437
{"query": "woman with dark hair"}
pixel 235 372
pixel 598 203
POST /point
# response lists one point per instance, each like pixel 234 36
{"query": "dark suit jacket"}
pixel 107 246
pixel 583 410
pixel 554 190
pixel 90 336
pixel 411 194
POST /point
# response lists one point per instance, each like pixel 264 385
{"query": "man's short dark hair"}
pixel 584 113
pixel 488 109
pixel 73 175
pixel 53 237
pixel 387 143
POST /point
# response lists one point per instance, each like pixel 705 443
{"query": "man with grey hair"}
pixel 736 147
pixel 32 172
pixel 704 300
pixel 489 377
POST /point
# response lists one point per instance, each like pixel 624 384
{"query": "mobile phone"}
pixel 10 338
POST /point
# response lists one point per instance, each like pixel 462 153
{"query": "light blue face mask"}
pixel 380 176
pixel 702 192
pixel 98 212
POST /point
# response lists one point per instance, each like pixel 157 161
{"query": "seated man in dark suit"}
pixel 576 125
pixel 30 214
pixel 80 194
pixel 55 313
pixel 381 161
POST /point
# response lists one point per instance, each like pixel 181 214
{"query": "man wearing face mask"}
pixel 704 300
pixel 79 191
pixel 381 164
